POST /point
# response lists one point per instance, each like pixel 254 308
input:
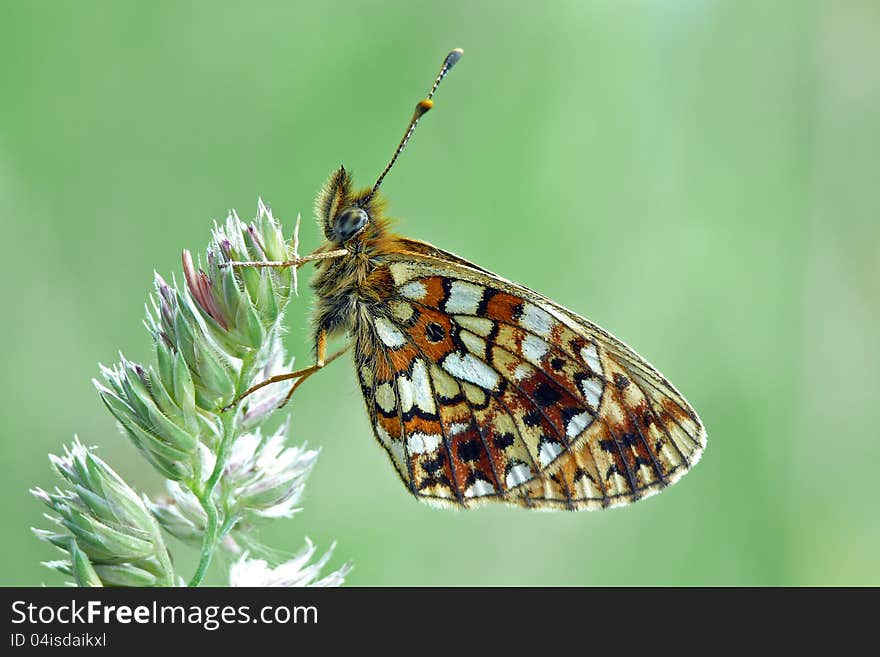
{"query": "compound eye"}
pixel 349 223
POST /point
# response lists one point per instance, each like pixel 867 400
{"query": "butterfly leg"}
pixel 282 264
pixel 320 362
pixel 301 375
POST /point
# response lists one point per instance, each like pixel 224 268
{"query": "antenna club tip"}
pixel 453 57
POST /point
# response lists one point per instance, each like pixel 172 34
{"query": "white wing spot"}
pixel 468 367
pixel 548 453
pixel 522 372
pixel 536 320
pixel 519 474
pixel 479 488
pixel 592 391
pixel 422 443
pixel 591 358
pixel 389 334
pixel 578 423
pixel 464 298
pixel 414 290
pixel 456 428
pixel 422 394
pixel 534 348
pixel 405 390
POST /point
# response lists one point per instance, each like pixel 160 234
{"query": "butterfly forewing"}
pixel 480 389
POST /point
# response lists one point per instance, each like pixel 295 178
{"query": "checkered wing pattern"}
pixel 480 390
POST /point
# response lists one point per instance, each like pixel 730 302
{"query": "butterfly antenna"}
pixel 422 108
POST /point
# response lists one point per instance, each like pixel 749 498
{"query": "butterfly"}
pixel 480 389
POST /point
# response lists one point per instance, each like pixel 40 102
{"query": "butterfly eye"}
pixel 349 223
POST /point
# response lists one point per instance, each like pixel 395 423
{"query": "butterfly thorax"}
pixel 348 289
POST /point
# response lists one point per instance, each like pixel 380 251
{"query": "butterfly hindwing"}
pixel 480 390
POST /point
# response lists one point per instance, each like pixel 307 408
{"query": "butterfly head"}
pixel 346 215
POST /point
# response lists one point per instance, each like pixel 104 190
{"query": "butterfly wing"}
pixel 481 389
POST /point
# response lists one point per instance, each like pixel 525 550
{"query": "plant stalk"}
pixel 206 498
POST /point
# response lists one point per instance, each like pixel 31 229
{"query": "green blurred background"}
pixel 699 177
